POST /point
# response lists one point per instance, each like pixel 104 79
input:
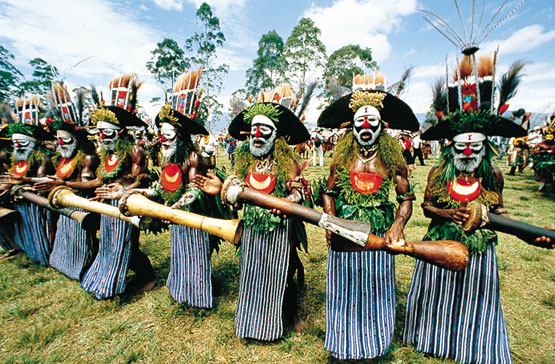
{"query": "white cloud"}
pixel 366 23
pixel 522 41
pixel 170 4
pixel 68 31
pixel 429 72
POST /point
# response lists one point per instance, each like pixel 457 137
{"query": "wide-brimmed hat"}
pixel 470 122
pixel 183 124
pixel 288 125
pixel 394 112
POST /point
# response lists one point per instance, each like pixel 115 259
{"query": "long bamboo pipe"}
pixel 447 254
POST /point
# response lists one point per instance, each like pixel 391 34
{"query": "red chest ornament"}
pixel 21 168
pixel 111 163
pixel 364 182
pixel 65 167
pixel 171 177
pixel 464 190
pixel 261 182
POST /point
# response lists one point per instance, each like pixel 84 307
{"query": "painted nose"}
pixel 102 136
pixel 366 124
pixel 60 142
pixel 467 151
pixel 257 134
pixel 163 139
pixel 17 144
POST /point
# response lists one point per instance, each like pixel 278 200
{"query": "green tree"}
pixel 9 75
pixel 43 74
pixel 203 46
pixel 268 68
pixel 304 53
pixel 167 62
pixel 342 64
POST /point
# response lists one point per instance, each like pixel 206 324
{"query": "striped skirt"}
pixel 458 315
pixel 190 278
pixel 360 304
pixel 262 281
pixel 9 235
pixel 73 248
pixel 106 276
pixel 33 234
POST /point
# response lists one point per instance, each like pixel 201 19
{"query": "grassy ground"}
pixel 47 318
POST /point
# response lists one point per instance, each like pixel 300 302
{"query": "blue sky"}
pixel 119 35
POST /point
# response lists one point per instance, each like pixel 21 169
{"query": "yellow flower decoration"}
pixel 363 98
pixel 167 113
pixel 103 114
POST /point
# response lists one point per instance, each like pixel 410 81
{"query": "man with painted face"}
pixel 121 168
pixel 368 163
pixel 190 277
pixel 269 260
pixel 450 314
pixel 74 247
pixel 30 160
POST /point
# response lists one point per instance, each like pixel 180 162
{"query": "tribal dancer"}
pixel 8 240
pixel 31 160
pixel 190 277
pixel 269 260
pixel 121 167
pixel 368 163
pixel 74 247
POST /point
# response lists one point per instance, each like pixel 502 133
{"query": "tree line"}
pixel 301 60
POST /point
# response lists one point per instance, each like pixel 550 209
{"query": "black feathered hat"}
pixel 469 122
pixel 288 125
pixel 116 116
pixel 183 124
pixel 394 112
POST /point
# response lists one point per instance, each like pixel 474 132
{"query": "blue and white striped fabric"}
pixel 106 276
pixel 458 315
pixel 73 248
pixel 263 276
pixel 34 231
pixel 190 278
pixel 360 304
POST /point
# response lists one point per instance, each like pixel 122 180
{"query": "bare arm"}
pixel 404 211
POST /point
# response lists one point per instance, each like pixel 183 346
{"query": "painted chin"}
pixel 66 151
pixel 366 137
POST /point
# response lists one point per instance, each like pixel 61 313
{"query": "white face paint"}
pixel 263 136
pixel 109 135
pixel 67 143
pixel 168 140
pixel 367 125
pixel 23 146
pixel 468 151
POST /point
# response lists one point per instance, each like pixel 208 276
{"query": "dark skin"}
pixel 212 185
pixel 114 188
pixel 461 214
pixel 404 210
pixel 44 169
pixel 79 182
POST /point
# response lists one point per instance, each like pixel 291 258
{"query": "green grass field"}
pixel 47 318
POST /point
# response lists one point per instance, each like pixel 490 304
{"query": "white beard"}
pixel 23 153
pixel 66 150
pixel 109 144
pixel 264 149
pixel 369 142
pixel 467 164
pixel 168 152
